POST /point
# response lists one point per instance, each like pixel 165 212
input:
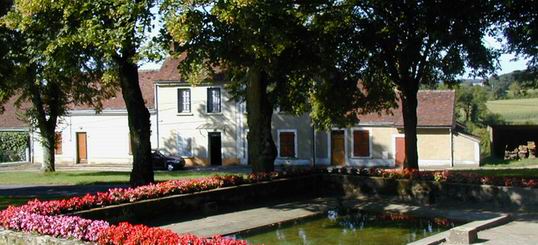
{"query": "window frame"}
pixel 295 144
pixel 181 110
pixel 212 101
pixel 369 130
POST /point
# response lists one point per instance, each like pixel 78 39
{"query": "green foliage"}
pixel 519 23
pixel 13 146
pixel 301 49
pixel 471 110
pixel 410 43
pixel 471 104
pixel 51 66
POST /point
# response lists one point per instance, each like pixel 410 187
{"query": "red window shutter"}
pixel 58 143
pixel 287 144
pixel 361 143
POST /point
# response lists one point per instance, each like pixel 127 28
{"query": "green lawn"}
pixel 520 111
pixel 88 177
pixel 493 162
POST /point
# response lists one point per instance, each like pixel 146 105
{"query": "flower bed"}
pixel 438 176
pixel 47 217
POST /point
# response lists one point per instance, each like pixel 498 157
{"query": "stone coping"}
pixel 9 237
pixel 251 220
pixel 191 193
pixel 477 220
pixel 464 234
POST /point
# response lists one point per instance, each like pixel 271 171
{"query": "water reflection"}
pixel 280 235
pixel 338 227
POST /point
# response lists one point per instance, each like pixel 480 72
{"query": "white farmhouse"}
pixel 206 126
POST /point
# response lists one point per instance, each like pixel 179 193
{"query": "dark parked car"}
pixel 162 161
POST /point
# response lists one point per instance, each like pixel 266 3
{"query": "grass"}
pixel 493 162
pixel 516 111
pixel 88 177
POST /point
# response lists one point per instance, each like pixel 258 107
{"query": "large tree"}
pixel 421 41
pixel 45 71
pixel 122 26
pixel 114 31
pixel 276 54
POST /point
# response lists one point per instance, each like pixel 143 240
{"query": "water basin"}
pixel 355 227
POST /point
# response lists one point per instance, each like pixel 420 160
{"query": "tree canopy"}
pixel 46 69
pixel 276 54
pixel 416 42
pixel 70 49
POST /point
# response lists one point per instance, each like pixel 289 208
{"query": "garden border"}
pixel 423 191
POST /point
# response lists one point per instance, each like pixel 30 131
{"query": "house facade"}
pixel 87 137
pixel 204 125
pixel 379 140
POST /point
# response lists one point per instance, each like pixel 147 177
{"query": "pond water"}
pixel 351 228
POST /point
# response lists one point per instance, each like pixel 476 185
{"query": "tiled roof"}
pixel 169 70
pixel 435 109
pixel 146 81
pixel 10 119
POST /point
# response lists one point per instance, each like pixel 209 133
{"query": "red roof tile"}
pixel 169 70
pixel 10 118
pixel 146 80
pixel 435 109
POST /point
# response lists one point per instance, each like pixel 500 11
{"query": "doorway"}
pixel 338 148
pixel 82 147
pixel 215 148
pixel 399 159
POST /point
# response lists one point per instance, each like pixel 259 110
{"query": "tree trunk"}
pixel 261 147
pixel 46 121
pixel 48 140
pixel 139 120
pixel 409 112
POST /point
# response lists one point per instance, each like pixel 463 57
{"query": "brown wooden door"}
pixel 82 148
pixel 338 153
pixel 400 151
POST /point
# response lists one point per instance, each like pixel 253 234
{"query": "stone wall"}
pixel 429 192
pixel 8 237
